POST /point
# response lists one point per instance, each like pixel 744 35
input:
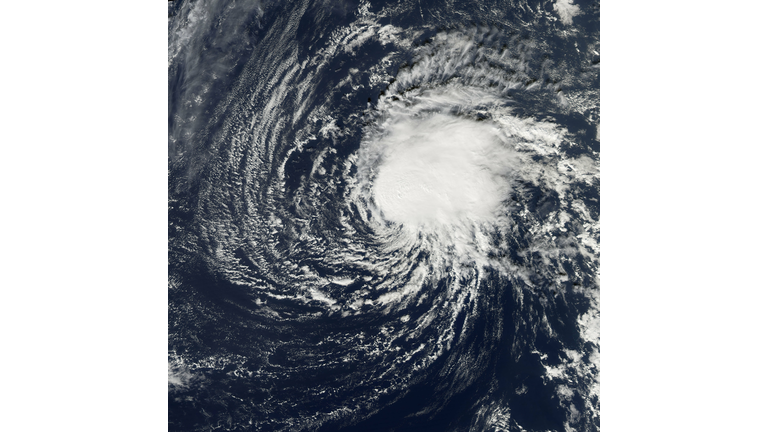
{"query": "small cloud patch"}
pixel 567 10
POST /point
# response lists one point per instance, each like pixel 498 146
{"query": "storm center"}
pixel 441 170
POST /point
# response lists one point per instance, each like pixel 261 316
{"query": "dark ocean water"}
pixel 303 296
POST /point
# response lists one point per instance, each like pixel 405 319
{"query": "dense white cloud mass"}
pixel 441 170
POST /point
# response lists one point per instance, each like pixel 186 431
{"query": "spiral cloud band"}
pixel 383 217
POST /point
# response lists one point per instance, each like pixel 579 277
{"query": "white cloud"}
pixel 567 10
